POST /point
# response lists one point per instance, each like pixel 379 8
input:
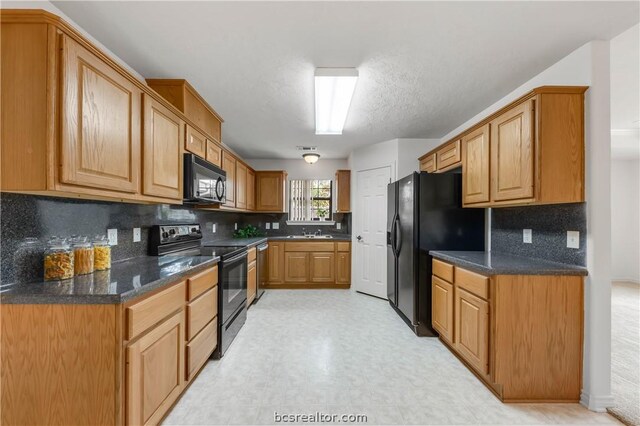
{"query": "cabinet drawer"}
pixel 343 246
pixel 202 282
pixel 474 283
pixel 199 349
pixel 152 310
pixel 449 155
pixel 310 246
pixel 201 311
pixel 428 164
pixel 442 270
pixel 251 255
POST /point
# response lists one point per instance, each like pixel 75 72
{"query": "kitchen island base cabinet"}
pixel 520 334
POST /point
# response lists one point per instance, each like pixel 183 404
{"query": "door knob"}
pixel 359 238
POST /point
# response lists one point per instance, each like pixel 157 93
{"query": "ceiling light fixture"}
pixel 334 90
pixel 311 158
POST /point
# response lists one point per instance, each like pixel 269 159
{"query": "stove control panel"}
pixel 174 233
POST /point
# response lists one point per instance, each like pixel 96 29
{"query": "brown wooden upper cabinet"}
pixel 343 191
pixel 214 153
pixel 475 166
pixel 270 191
pixel 428 163
pixel 449 156
pixel 162 147
pixel 512 153
pixel 251 190
pixel 184 97
pixel 195 142
pixel 241 185
pixel 529 152
pixel 101 127
pixel 229 166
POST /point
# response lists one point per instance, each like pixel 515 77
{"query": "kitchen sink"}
pixel 311 237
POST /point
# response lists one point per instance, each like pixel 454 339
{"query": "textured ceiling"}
pixel 424 67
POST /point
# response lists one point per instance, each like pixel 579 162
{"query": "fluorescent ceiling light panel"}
pixel 334 90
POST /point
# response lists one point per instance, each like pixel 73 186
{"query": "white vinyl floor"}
pixel 340 352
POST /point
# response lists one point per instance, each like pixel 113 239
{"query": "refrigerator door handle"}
pixel 393 235
pixel 397 242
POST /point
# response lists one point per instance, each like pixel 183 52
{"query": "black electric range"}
pixel 185 240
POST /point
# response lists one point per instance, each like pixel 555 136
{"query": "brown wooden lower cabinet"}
pixel 106 364
pixel 309 264
pixel 520 334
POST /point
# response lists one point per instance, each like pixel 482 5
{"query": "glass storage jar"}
pixel 102 253
pixel 58 260
pixel 83 256
pixel 27 260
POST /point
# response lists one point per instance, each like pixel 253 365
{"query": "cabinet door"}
pixel 251 190
pixel 155 371
pixel 252 282
pixel 162 142
pixel 229 166
pixel 241 185
pixel 276 262
pixel 428 164
pixel 343 268
pixel 296 267
pixel 442 308
pixel 101 123
pixel 472 329
pixel 270 191
pixel 448 156
pixel 475 166
pixel 322 267
pixel 195 142
pixel 214 153
pixel 343 191
pixel 512 154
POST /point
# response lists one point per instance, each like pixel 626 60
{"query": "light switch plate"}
pixel 136 235
pixel 112 234
pixel 267 225
pixel 275 225
pixel 213 228
pixel 338 225
pixel 136 281
pixel 527 236
pixel 573 239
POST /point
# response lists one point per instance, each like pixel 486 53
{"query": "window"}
pixel 310 200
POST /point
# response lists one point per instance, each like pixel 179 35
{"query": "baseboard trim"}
pixel 596 403
pixel 625 280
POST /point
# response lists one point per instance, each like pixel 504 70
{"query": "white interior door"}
pixel 370 223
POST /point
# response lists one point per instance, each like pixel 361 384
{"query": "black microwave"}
pixel 204 183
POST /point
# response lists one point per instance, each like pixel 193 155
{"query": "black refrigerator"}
pixel 425 213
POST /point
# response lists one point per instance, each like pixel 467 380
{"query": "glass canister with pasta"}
pixel 83 256
pixel 58 260
pixel 102 253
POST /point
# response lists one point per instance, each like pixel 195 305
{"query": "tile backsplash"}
pixel 549 225
pixel 42 217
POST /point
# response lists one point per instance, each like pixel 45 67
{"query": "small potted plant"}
pixel 322 213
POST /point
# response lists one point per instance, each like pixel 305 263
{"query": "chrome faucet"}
pixel 318 232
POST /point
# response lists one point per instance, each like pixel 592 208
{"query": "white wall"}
pixel 298 169
pixel 625 220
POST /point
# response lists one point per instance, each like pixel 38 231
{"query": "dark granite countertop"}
pixel 252 242
pixel 125 280
pixel 492 263
pixel 333 238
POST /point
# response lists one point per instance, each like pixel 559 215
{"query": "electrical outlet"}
pixel 136 281
pixel 235 226
pixel 112 234
pixel 213 228
pixel 267 225
pixel 338 225
pixel 573 239
pixel 275 225
pixel 527 236
pixel 136 235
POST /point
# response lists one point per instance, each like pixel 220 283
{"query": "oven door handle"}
pixel 236 258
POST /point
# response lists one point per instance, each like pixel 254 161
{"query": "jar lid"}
pixel 58 244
